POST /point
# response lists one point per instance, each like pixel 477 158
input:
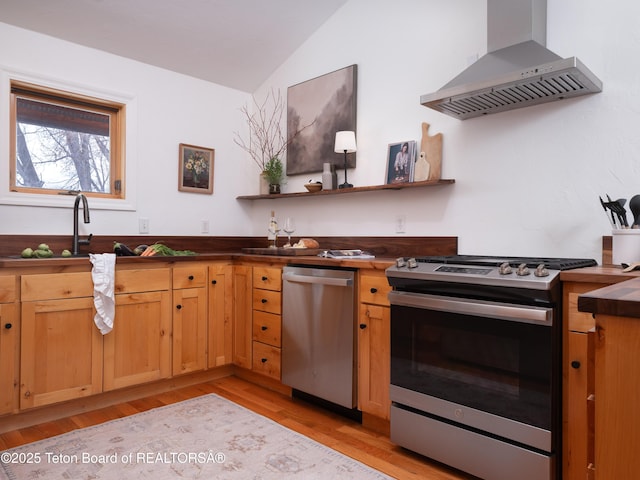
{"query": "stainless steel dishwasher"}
pixel 318 341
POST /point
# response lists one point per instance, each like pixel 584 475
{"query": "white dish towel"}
pixel 103 275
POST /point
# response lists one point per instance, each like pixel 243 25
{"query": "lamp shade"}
pixel 345 142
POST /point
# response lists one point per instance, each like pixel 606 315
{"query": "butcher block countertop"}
pixel 620 296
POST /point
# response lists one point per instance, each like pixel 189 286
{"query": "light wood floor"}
pixel 332 430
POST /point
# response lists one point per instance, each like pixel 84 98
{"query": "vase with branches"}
pixel 267 141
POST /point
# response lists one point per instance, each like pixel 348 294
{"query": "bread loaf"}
pixel 307 243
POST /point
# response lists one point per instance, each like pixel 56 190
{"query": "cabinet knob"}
pixel 213 282
pixel 190 277
pixel 263 328
pixel 363 326
pixel 263 360
pixel 264 279
pixel 178 307
pixel 373 290
pixel 575 364
pixel 8 326
pixel 264 300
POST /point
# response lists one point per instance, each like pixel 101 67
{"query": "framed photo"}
pixel 400 160
pixel 320 107
pixel 195 169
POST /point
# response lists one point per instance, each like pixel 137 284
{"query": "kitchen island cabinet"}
pixel 9 337
pixel 60 348
pixel 617 385
pixel 374 345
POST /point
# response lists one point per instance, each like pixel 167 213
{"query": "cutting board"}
pixel 429 164
pixel 283 251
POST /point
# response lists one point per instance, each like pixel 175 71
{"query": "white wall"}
pixel 165 109
pixel 527 181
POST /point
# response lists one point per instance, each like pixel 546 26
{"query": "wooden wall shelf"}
pixel 371 188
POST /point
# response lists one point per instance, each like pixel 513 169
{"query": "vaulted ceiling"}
pixel 235 43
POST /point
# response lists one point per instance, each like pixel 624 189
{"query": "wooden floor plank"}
pixel 330 429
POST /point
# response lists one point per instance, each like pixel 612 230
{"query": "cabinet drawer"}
pixel 374 289
pixel 56 286
pixel 144 280
pixel 267 301
pixel 189 276
pixel 8 289
pixel 266 360
pixel 267 278
pixel 267 328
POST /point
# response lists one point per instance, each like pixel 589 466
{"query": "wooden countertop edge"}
pixel 620 299
pixel 373 263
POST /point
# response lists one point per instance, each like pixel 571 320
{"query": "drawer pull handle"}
pixel 363 326
pixel 373 290
pixel 264 300
pixel 263 328
pixel 264 279
pixel 190 277
pixel 575 364
pixel 213 282
pixel 8 326
pixel 179 307
pixel 263 360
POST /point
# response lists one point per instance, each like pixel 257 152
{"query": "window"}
pixel 63 142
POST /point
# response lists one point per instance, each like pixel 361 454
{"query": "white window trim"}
pixel 8 197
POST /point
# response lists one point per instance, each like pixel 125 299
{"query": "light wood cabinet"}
pixel 578 384
pixel 138 349
pixel 374 344
pixel 9 337
pixel 61 347
pixel 189 318
pixel 220 328
pixel 267 321
pixel 242 318
pixel 617 362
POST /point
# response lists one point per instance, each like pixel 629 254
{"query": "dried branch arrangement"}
pixel 266 138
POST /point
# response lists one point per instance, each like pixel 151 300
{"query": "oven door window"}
pixel 496 366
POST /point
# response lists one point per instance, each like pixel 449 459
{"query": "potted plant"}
pixel 273 173
pixel 267 143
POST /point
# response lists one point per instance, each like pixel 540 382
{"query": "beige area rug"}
pixel 206 437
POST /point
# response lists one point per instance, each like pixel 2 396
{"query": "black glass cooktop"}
pixel 496 261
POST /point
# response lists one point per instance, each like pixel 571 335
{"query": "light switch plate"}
pixel 143 225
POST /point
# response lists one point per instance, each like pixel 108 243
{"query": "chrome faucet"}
pixel 76 237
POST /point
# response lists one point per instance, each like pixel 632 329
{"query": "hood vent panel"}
pixel 515 76
pixel 563 79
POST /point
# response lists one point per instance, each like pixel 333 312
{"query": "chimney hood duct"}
pixel 518 71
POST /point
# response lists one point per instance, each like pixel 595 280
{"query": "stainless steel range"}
pixel 476 362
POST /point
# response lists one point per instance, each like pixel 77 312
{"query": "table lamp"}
pixel 345 142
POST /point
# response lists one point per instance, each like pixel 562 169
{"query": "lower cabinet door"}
pixel 189 330
pixel 61 351
pixel 138 349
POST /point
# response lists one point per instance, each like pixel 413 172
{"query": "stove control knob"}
pixel 541 271
pixel 412 263
pixel 522 270
pixel 505 269
pixel 400 262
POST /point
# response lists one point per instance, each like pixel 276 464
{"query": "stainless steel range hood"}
pixel 519 71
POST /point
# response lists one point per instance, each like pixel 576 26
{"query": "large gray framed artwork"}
pixel 327 104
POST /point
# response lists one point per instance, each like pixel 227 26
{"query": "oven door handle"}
pixel 478 308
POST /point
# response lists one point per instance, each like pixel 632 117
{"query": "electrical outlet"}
pixel 401 224
pixel 143 225
pixel 204 226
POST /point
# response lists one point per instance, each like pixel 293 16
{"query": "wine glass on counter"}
pixel 289 227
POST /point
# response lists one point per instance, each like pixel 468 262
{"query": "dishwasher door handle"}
pixel 338 282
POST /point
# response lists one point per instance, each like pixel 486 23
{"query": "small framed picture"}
pixel 195 169
pixel 400 160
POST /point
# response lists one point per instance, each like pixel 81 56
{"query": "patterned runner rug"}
pixel 206 437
